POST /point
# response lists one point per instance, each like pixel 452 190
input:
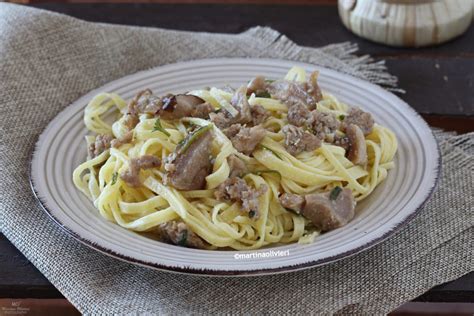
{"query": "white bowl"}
pixel 61 147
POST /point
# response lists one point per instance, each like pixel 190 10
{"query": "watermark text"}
pixel 262 254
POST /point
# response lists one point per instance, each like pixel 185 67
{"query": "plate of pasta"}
pixel 234 166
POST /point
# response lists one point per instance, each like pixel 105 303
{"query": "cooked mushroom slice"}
pixel 357 147
pixel 257 85
pixel 184 105
pixel 237 190
pixel 178 233
pixel 169 107
pixel 356 116
pixel 101 144
pixel 132 175
pixel 245 139
pixel 297 140
pixel 237 166
pixel 293 202
pixel 190 163
pixel 327 211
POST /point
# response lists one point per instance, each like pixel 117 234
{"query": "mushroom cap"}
pixel 357 145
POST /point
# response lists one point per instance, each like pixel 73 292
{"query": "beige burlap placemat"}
pixel 49 60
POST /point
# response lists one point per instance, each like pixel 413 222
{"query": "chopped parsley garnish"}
pixel 114 178
pixel 335 193
pixel 184 144
pixel 181 143
pixel 183 238
pixel 159 127
pixel 342 117
pixel 269 80
pixel 263 94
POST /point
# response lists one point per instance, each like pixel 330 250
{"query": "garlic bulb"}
pixel 411 23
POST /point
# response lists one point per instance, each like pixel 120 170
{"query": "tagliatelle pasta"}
pixel 153 201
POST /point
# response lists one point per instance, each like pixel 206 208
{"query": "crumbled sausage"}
pixel 178 233
pixel 323 125
pixel 125 139
pixel 248 115
pixel 360 118
pixel 291 92
pixel 232 130
pixel 298 114
pixel 298 140
pixel 237 190
pixel 148 103
pixel 313 88
pixel 293 202
pixel 101 144
pixel 237 166
pixel 202 110
pixel 222 119
pixel 132 175
pixel 143 102
pixel 259 114
pixel 342 141
pixel 131 120
pixel 240 102
pixel 245 139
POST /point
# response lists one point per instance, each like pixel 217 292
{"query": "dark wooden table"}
pixel 439 82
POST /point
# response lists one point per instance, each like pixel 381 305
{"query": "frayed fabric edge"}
pixel 364 67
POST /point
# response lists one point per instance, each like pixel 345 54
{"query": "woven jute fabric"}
pixel 48 60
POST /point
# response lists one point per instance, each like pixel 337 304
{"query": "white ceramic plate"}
pixel 61 147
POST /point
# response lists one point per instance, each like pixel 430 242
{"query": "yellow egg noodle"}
pixel 222 224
